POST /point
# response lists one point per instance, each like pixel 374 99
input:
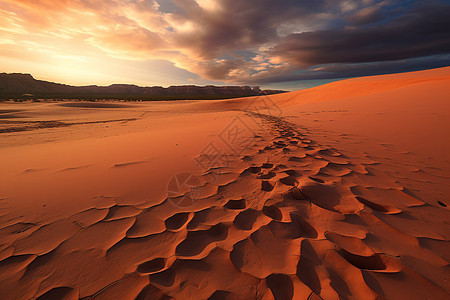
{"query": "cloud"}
pixel 366 15
pixel 239 41
pixel 333 71
pixel 422 32
pixel 370 34
pixel 235 25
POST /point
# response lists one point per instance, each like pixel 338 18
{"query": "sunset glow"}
pixel 224 149
pixel 166 42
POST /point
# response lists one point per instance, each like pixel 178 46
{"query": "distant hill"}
pixel 20 86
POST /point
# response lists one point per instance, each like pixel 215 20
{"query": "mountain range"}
pixel 25 86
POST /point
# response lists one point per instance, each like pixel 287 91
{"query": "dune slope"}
pixel 336 192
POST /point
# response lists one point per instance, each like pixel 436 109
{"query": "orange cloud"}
pixel 224 40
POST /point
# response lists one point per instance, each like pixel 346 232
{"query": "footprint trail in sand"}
pixel 293 220
pixel 312 209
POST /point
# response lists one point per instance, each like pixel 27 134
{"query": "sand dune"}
pixel 336 192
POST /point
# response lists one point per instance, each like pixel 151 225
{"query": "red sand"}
pixel 335 192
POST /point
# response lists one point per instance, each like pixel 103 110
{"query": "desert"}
pixel 335 192
pixel 224 149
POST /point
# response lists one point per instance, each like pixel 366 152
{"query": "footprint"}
pixel 293 173
pixel 121 212
pixel 308 231
pixel 442 204
pixel 199 218
pixel 236 204
pixel 281 286
pixel 196 241
pixel 152 292
pixel 73 168
pixel 316 179
pixel 296 194
pixel 266 186
pixel 377 207
pixel 126 164
pixel 268 175
pixel 273 212
pixel 267 166
pixel 290 181
pixel 165 278
pixel 279 144
pixel 376 262
pixel 306 267
pixel 254 170
pixel 60 293
pixel 280 167
pixel 285 230
pixel 176 221
pixel 325 196
pixel 245 219
pixel 296 158
pixel 152 266
pixel 222 295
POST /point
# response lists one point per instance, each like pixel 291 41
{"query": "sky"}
pixel 285 44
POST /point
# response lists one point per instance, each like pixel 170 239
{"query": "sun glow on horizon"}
pixel 166 42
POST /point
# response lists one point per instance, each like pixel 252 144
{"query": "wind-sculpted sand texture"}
pixel 303 212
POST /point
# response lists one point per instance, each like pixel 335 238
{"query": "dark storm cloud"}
pixel 354 70
pixel 424 31
pixel 239 24
pixel 243 41
pixel 350 37
pixel 366 15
